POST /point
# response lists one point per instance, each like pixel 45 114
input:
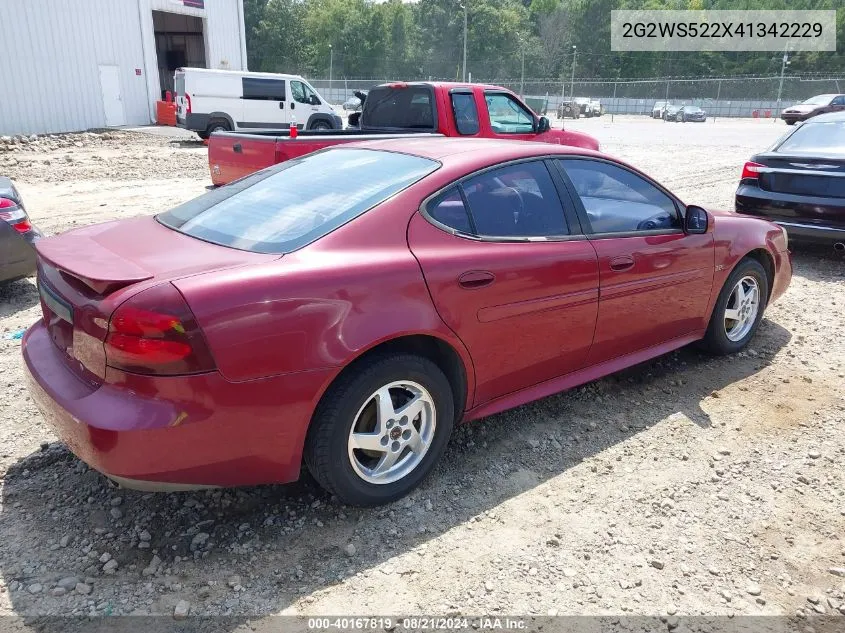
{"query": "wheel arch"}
pixel 319 116
pixel 440 351
pixel 764 257
pixel 223 116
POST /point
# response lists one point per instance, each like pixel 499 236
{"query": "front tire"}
pixel 320 125
pixel 380 430
pixel 739 309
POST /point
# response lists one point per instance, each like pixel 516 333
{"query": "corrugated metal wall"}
pixel 51 50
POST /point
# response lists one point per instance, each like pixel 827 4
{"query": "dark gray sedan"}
pixel 17 235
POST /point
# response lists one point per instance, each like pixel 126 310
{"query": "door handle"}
pixel 238 148
pixel 292 105
pixel 281 105
pixel 621 263
pixel 476 279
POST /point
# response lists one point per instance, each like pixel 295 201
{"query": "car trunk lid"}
pixel 802 175
pixel 84 275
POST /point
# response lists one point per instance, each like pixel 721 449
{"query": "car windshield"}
pixel 819 100
pixel 692 109
pixel 289 205
pixel 827 137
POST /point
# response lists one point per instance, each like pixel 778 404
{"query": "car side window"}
pixel 507 115
pixel 449 209
pixel 619 201
pixel 466 114
pixel 838 101
pixel 515 201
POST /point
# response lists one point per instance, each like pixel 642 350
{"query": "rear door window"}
pixel 506 203
pixel 465 113
pixel 405 107
pixel 261 89
pixel 289 205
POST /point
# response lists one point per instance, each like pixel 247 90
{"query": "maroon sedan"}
pixel 350 307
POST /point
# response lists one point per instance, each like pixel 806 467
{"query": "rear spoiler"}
pixel 91 263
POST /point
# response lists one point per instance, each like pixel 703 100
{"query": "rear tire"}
pixel 351 414
pixel 217 125
pixel 726 334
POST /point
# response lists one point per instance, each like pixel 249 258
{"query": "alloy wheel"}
pixel 392 432
pixel 742 308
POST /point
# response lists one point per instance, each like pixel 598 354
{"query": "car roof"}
pixel 448 85
pixel 236 73
pixel 490 151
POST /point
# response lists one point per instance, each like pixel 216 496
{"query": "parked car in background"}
pixel 657 109
pixel 398 109
pixel 814 106
pixel 17 235
pixel 354 103
pixel 209 101
pixel 690 113
pixel 670 112
pixel 349 307
pixel 583 104
pixel 799 182
pixel 594 108
pixel 568 108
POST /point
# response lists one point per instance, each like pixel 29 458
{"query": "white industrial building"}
pixel 69 65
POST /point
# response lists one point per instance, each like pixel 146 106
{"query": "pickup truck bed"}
pixel 235 155
pixel 397 110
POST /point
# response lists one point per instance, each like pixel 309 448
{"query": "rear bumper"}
pixel 805 218
pixel 792 118
pixel 19 254
pixel 169 433
pixel 194 122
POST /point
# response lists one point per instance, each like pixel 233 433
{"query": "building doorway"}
pixel 180 43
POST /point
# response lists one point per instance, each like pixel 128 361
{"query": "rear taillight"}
pixel 751 170
pixel 14 214
pixel 155 333
pixel 187 103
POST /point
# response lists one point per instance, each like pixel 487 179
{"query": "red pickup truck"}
pixel 391 111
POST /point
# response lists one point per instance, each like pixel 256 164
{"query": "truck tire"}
pixel 320 124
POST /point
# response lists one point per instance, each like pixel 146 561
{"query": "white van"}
pixel 229 100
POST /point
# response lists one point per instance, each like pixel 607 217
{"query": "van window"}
pixel 264 89
pixel 302 93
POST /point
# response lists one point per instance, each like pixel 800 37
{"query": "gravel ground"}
pixel 688 485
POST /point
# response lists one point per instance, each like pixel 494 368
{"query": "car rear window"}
pixel 289 205
pixel 816 137
pixel 400 108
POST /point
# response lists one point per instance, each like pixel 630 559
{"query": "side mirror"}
pixel 696 221
pixel 543 125
pixel 314 100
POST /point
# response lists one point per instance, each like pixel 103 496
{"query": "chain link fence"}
pixel 719 97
